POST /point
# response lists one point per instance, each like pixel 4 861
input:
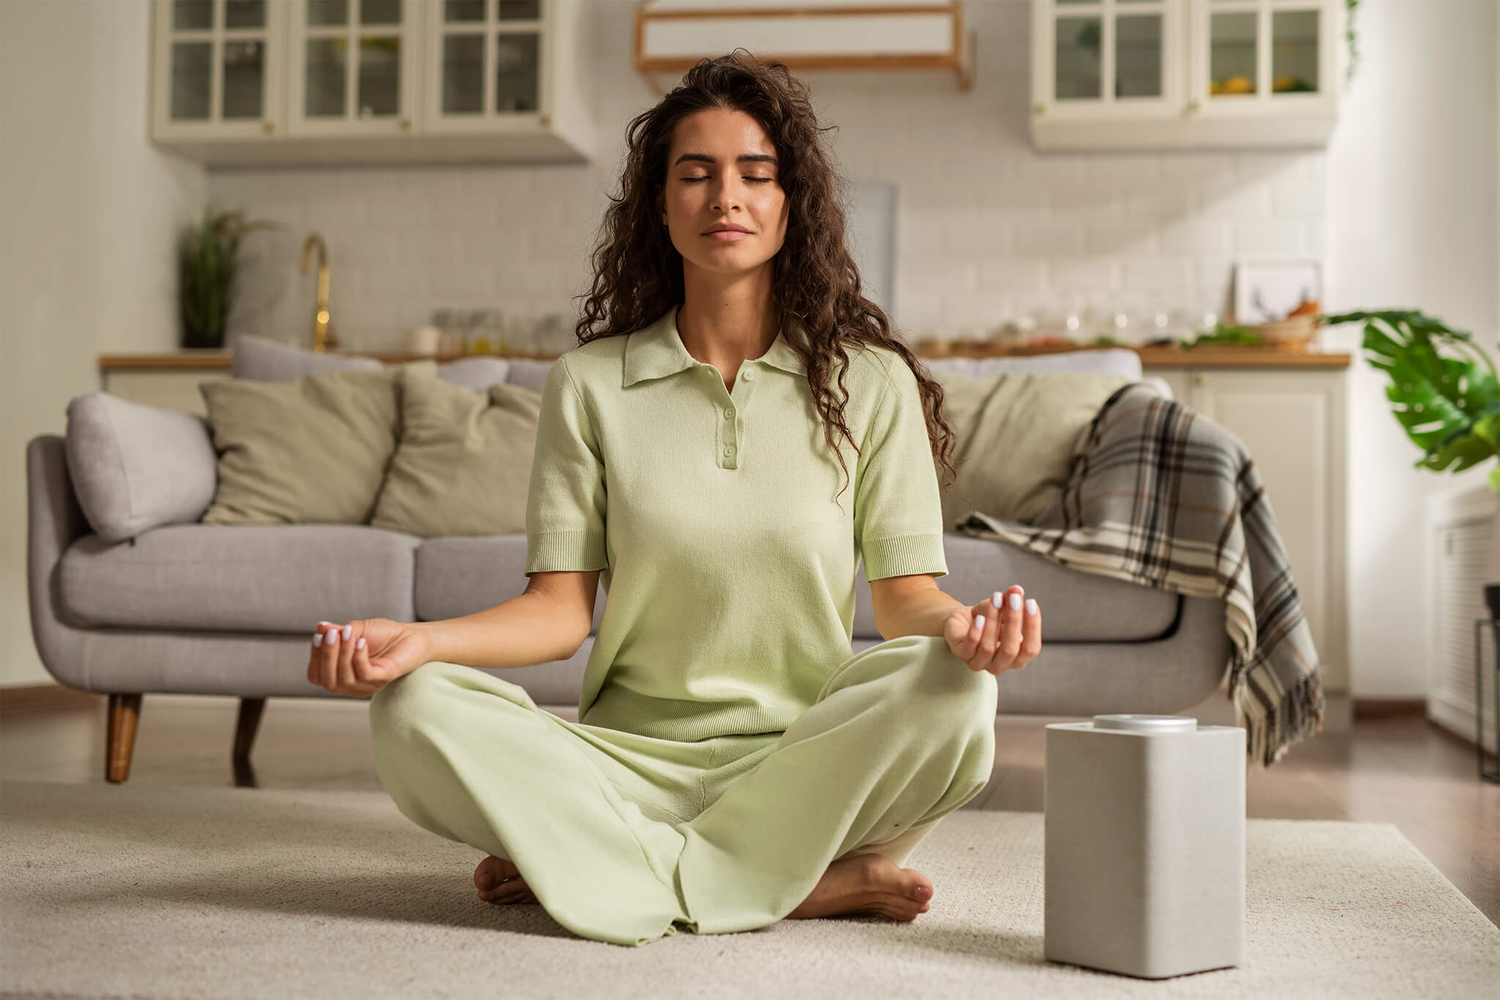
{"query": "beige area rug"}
pixel 161 891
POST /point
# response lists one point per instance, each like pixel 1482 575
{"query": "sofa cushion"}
pixel 1076 606
pixel 463 466
pixel 311 451
pixel 261 359
pixel 135 467
pixel 459 576
pixel 257 578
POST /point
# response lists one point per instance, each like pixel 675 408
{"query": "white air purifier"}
pixel 1145 845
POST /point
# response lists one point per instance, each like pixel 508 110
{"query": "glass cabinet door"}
pixel 353 66
pixel 215 72
pixel 1108 54
pixel 1257 53
pixel 488 58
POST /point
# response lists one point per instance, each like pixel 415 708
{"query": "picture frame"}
pixel 1267 289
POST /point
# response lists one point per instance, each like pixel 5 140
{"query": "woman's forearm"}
pixel 529 628
pixel 924 612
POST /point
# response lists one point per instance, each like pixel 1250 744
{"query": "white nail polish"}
pixel 1031 606
pixel 333 635
pixel 360 644
pixel 995 600
pixel 317 640
pixel 1015 602
pixel 979 621
pixel 349 629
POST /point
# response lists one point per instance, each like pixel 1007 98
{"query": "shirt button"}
pixel 728 450
pixel 749 375
pixel 728 412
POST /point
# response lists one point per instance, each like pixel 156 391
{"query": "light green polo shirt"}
pixel 727 556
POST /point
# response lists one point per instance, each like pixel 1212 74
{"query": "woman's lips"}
pixel 727 235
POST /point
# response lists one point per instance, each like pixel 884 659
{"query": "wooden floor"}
pixel 1402 770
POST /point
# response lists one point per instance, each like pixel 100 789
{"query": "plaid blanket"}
pixel 1162 496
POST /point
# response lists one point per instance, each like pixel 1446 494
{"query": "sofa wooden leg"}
pixel 124 713
pixel 245 729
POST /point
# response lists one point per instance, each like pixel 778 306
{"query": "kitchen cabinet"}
pixel 1139 74
pixel 1292 420
pixel 242 83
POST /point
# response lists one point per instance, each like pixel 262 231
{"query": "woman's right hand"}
pixel 361 657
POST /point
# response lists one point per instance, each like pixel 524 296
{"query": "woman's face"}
pixel 722 169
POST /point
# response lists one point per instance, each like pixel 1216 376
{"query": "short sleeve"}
pixel 898 514
pixel 565 503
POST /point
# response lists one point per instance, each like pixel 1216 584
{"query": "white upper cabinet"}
pixel 326 82
pixel 1135 74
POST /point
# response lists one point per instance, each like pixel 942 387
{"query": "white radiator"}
pixel 1461 533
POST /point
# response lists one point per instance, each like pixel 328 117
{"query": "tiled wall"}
pixel 988 229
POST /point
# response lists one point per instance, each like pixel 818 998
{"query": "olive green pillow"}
pixel 464 463
pixel 1014 438
pixel 310 451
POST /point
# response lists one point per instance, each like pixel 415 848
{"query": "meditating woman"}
pixel 737 428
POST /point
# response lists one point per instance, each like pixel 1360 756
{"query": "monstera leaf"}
pixel 1450 407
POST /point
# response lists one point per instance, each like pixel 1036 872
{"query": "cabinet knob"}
pixel 1200 378
pixel 1195 105
pixel 406 124
pixel 268 127
pixel 1039 109
pixel 545 120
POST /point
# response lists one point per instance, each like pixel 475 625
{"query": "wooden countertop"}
pixel 1208 356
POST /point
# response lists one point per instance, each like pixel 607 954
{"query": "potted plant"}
pixel 1449 406
pixel 207 262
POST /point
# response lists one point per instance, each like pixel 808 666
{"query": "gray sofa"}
pixel 229 610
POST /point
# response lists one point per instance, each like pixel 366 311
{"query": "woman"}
pixel 733 764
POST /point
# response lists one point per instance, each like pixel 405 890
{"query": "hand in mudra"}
pixel 364 656
pixel 996 638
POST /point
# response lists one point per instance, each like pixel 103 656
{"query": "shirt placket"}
pixel 731 432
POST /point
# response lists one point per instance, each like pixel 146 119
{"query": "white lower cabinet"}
pixel 1293 422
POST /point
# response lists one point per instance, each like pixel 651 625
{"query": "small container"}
pixel 423 340
pixel 1144 850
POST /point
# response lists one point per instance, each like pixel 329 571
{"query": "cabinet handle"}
pixel 1200 379
pixel 268 127
pixel 544 120
pixel 1195 105
pixel 1039 109
pixel 406 124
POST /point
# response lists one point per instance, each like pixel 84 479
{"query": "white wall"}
pixel 1412 218
pixel 87 210
pixel 987 228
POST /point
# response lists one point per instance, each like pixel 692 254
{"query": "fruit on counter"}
pixel 1051 342
pixel 1287 83
pixel 1309 307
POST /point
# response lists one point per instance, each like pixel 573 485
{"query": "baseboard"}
pixel 1385 708
pixel 30 698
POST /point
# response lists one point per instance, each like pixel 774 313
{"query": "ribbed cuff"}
pixel 900 555
pixel 553 551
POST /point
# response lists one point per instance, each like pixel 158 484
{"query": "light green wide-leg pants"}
pixel 622 837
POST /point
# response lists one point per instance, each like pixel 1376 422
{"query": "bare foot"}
pixel 867 883
pixel 500 882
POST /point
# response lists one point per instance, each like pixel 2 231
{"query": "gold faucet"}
pixel 323 335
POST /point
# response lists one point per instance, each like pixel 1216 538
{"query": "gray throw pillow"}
pixel 135 467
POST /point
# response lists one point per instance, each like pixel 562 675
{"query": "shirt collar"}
pixel 658 350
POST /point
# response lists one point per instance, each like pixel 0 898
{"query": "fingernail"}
pixel 1031 606
pixel 995 599
pixel 332 635
pixel 325 623
pixel 923 892
pixel 317 639
pixel 349 629
pixel 360 644
pixel 979 621
pixel 1015 601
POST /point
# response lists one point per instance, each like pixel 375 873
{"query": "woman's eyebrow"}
pixel 742 158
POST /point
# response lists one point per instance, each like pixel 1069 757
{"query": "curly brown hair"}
pixel 638 272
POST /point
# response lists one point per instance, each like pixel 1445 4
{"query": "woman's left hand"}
pixel 993 635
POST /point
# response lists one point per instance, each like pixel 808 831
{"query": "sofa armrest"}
pixel 54 522
pixel 135 467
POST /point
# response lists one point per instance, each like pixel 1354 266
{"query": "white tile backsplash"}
pixel 986 227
